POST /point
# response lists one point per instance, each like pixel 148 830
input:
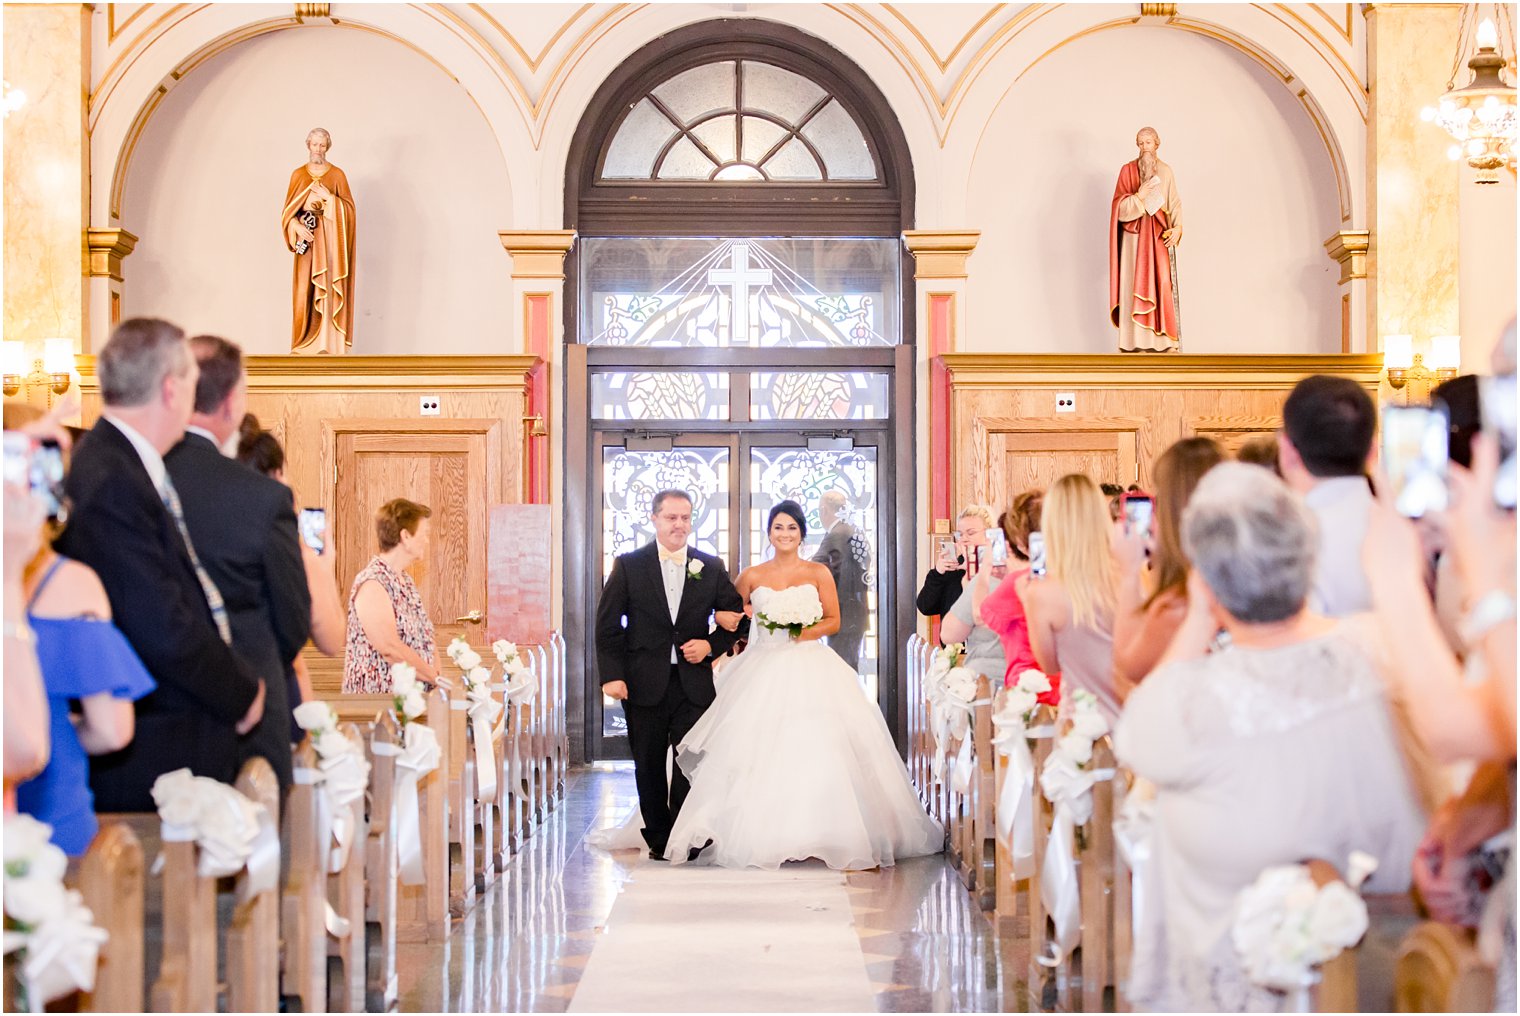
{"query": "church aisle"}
pixel 527 944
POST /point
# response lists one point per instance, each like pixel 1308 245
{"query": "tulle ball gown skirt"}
pixel 792 762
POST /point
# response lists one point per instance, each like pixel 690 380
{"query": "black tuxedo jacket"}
pixel 120 528
pixel 638 652
pixel 243 525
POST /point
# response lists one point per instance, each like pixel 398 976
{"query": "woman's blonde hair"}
pixel 1077 531
pixel 980 511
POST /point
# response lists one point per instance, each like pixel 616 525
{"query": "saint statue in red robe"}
pixel 1144 228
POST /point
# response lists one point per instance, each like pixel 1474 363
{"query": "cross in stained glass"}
pixel 739 276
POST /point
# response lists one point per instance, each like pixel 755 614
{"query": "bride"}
pixel 791 761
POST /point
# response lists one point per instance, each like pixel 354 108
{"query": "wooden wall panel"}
pixel 1129 409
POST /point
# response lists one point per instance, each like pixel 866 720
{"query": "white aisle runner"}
pixel 693 939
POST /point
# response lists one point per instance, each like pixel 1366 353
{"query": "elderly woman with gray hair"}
pixel 1278 748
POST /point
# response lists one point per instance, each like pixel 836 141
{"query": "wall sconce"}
pixel 1421 371
pixel 53 370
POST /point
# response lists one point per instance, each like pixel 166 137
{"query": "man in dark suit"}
pixel 845 553
pixel 654 652
pixel 243 524
pixel 126 524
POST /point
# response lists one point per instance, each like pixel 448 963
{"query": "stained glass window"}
pixel 745 293
pixel 659 395
pixel 848 480
pixel 739 121
pixel 816 395
pixel 631 479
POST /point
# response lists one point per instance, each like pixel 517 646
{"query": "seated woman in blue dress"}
pixel 92 676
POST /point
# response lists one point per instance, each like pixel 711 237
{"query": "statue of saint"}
pixel 1144 229
pixel 318 222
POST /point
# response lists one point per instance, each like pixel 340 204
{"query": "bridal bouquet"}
pixel 1286 926
pixel 793 609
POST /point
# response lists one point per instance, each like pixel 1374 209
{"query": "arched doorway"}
pixel 739 323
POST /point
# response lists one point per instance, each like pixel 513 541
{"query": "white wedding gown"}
pixel 791 762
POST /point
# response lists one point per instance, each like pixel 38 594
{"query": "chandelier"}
pixel 1481 115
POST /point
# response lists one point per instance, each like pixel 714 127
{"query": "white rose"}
pixel 315 715
pixel 414 703
pixel 1019 700
pixel 694 567
pixel 516 667
pixel 229 822
pixel 333 743
pixel 478 676
pixel 177 797
pixel 504 649
pixel 1075 747
pixel 1034 681
pixel 25 837
pixel 403 678
pixel 468 660
pixel 1081 699
pixel 456 646
pixel 1089 723
pixel 1338 918
pixel 33 899
pixel 49 862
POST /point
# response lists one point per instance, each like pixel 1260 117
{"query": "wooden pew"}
pixel 1439 970
pixel 381 878
pixel 111 878
pixel 304 901
pixel 982 849
pixel 1096 876
pixel 422 911
pixel 345 893
pixel 1042 812
pixel 186 979
pixel 253 938
pixel 1124 911
pixel 458 761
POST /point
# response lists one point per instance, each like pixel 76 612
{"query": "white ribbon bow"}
pixel 1069 788
pixel 483 710
pixel 1015 807
pixel 230 831
pixel 62 953
pixel 1134 828
pixel 418 758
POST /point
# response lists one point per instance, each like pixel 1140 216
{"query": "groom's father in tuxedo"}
pixel 655 651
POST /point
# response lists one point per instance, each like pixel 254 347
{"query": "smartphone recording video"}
pixel 1137 511
pixel 999 556
pixel 47 476
pixel 1496 403
pixel 1037 554
pixel 1414 454
pixel 314 528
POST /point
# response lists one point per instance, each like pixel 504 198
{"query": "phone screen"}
pixel 1137 514
pixel 46 476
pixel 314 528
pixel 1415 448
pixel 999 556
pixel 947 550
pixel 1496 403
pixel 1037 554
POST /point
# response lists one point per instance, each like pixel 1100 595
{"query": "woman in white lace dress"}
pixel 792 761
pixel 1276 750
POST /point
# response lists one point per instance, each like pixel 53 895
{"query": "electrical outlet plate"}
pixel 431 405
pixel 1066 402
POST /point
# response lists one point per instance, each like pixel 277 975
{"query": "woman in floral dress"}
pixel 387 622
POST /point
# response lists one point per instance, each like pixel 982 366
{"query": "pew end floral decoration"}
pixel 521 682
pixel 1286 926
pixel 406 693
pixel 47 925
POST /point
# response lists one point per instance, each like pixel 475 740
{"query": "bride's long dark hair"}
pixel 791 508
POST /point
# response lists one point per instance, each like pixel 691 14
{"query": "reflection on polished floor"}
pixel 524 945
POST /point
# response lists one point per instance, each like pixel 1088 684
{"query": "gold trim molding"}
pixel 1268 371
pixel 304 11
pixel 538 253
pixel 295 373
pixel 107 248
pixel 1158 10
pixel 941 253
pixel 1349 249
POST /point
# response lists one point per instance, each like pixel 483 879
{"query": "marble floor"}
pixel 525 944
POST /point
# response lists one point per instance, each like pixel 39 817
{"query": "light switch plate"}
pixel 431 405
pixel 1066 402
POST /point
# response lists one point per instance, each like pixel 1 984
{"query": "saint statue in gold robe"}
pixel 318 222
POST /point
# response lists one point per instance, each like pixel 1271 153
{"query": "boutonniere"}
pixel 693 567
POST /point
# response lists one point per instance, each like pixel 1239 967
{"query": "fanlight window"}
pixel 739 121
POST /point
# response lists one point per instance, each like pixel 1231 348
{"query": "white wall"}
pixel 1486 282
pixel 431 188
pixel 1257 188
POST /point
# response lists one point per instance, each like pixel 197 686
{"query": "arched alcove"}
pixel 427 172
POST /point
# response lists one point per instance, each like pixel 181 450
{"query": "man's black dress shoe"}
pixel 656 855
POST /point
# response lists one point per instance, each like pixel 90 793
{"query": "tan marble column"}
pixel 47 158
pixel 1412 185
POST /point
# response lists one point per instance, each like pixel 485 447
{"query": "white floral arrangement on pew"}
pixel 407 694
pixel 223 823
pixel 48 925
pixel 1286 927
pixel 342 772
pixel 952 703
pixel 419 755
pixel 1067 781
pixel 1015 708
pixel 794 610
pixel 521 682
